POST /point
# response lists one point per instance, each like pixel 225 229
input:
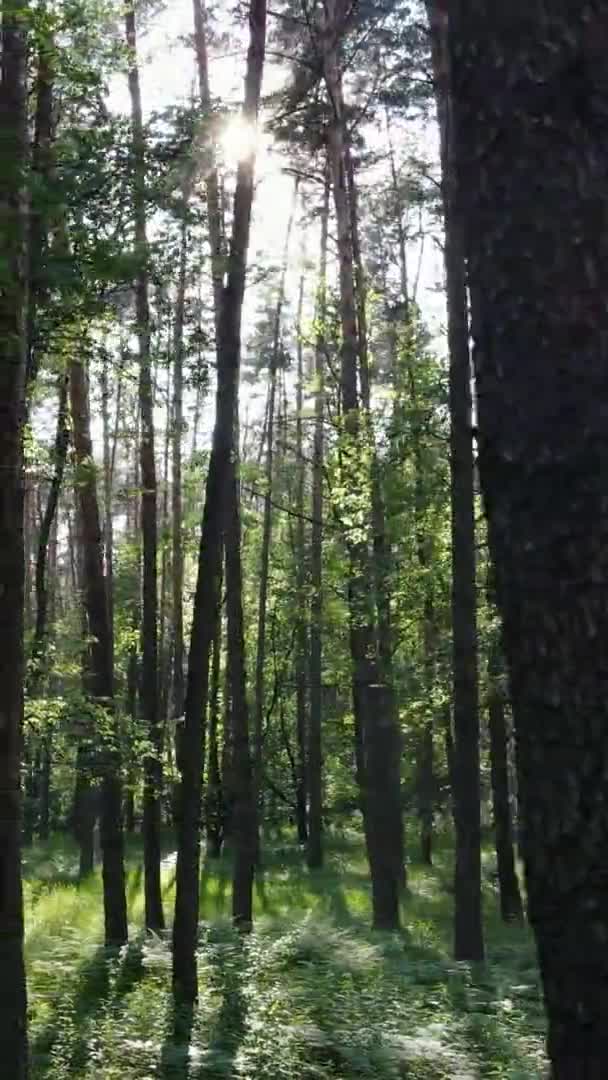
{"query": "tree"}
pixel 221 512
pixel 153 772
pixel 99 674
pixel 315 760
pixel 468 930
pixel 511 907
pixel 260 660
pixel 13 1017
pixel 372 692
pixel 530 104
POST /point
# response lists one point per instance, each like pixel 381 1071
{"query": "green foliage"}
pixel 310 994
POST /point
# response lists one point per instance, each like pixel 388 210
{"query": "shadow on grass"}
pixel 92 988
pixel 175 1056
pixel 228 960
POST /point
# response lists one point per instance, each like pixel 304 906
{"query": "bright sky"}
pixel 167 72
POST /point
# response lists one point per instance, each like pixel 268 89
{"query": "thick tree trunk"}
pixel 373 703
pixel 314 778
pixel 100 675
pixel 531 100
pixel 468 930
pixel 13 1014
pixel 220 491
pixel 260 660
pixel 153 771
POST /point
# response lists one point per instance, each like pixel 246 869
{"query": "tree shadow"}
pixel 93 988
pixel 228 960
pixel 175 1055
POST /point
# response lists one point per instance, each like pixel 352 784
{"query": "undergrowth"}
pixel 312 994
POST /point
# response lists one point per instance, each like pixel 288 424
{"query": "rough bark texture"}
pixel 153 775
pixel 314 777
pixel 468 931
pixel 100 675
pixel 13 1034
pixel 531 111
pixel 218 495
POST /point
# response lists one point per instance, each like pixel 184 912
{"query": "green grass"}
pixel 312 994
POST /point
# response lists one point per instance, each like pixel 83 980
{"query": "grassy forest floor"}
pixel 312 994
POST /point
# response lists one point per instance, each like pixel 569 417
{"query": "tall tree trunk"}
pixel 260 660
pixel 100 675
pixel 176 494
pixel 62 439
pixel 221 497
pixel 511 907
pixel 373 704
pixel 109 458
pixel 13 1006
pixel 244 805
pixel 301 601
pixel 214 809
pixel 468 930
pixel 314 771
pixel 533 197
pixel 227 753
pixel 153 772
pixel 42 173
pixel 424 547
pixel 212 187
pixel 381 560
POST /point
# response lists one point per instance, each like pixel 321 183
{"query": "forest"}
pixel 303 539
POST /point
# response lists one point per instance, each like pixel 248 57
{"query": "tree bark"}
pixel 153 770
pixel 533 197
pixel 468 930
pixel 100 675
pixel 220 497
pixel 13 106
pixel 314 778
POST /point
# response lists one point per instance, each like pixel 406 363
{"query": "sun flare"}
pixel 238 139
